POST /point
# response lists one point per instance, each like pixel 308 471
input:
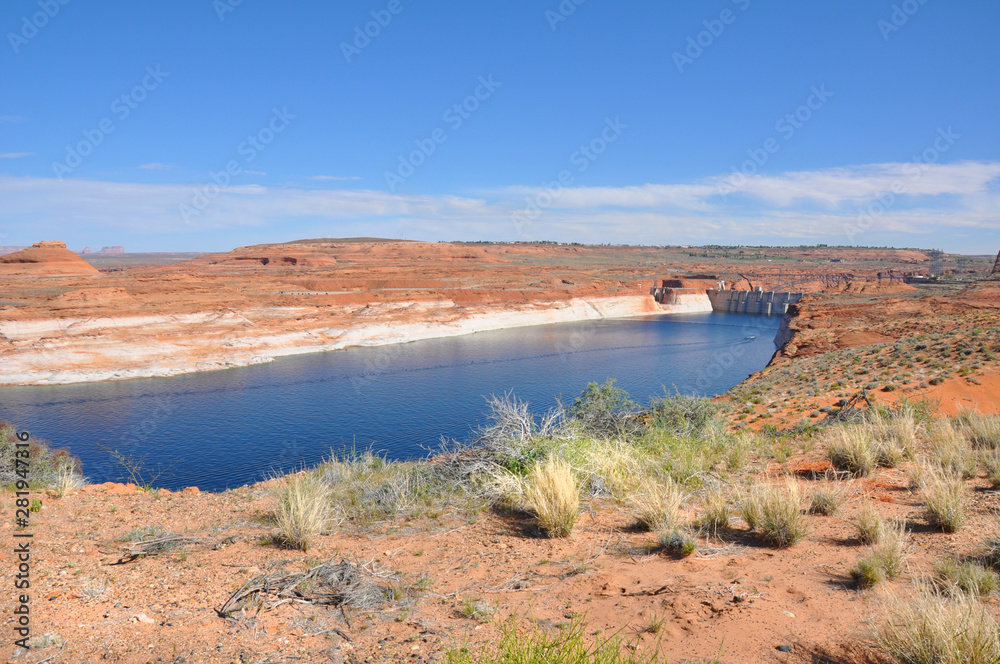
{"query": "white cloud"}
pixel 11 118
pixel 333 177
pixel 806 206
pixel 16 155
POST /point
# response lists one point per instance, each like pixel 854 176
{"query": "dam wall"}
pixel 764 303
pixel 682 300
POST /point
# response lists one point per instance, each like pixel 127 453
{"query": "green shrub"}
pixel 683 414
pixel 677 543
pixel 606 410
pixel 567 646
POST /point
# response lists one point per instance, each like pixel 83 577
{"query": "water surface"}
pixel 228 428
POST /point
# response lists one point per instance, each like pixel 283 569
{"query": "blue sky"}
pixel 203 125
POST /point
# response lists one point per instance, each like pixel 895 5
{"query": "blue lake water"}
pixel 229 428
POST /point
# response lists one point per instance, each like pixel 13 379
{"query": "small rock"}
pixel 785 648
pixel 789 614
pixel 143 618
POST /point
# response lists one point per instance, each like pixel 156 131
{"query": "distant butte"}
pixel 50 258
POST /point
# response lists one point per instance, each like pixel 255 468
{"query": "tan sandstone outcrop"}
pixel 49 258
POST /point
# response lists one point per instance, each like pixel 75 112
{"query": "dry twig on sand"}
pixel 342 585
pixel 164 543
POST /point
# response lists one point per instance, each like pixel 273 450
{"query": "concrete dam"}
pixel 765 303
pixel 683 296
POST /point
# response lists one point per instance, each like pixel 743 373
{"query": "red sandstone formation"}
pixel 45 259
pixel 256 303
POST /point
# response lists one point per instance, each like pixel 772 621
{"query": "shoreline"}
pixel 192 343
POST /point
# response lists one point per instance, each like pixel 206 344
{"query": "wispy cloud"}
pixel 807 206
pixel 157 166
pixel 11 118
pixel 324 178
pixel 16 155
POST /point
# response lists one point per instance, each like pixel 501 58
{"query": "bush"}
pixel 47 463
pixel 677 543
pixel 933 629
pixel 774 513
pixel 683 414
pixel 302 509
pixel 369 488
pixel 606 410
pixel 551 492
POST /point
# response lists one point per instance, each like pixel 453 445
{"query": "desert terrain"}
pixel 135 574
pixel 63 320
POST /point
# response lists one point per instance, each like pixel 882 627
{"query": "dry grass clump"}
pixel 302 509
pixel 774 513
pixel 930 628
pixel 67 478
pixel 884 559
pixel 880 440
pixel 950 451
pixel 826 499
pixel 552 493
pixel 870 525
pixel 851 448
pixel 981 430
pixel 945 497
pixel 718 510
pixel 990 460
pixel 969 577
pixel 657 505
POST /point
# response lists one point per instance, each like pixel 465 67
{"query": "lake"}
pixel 229 428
